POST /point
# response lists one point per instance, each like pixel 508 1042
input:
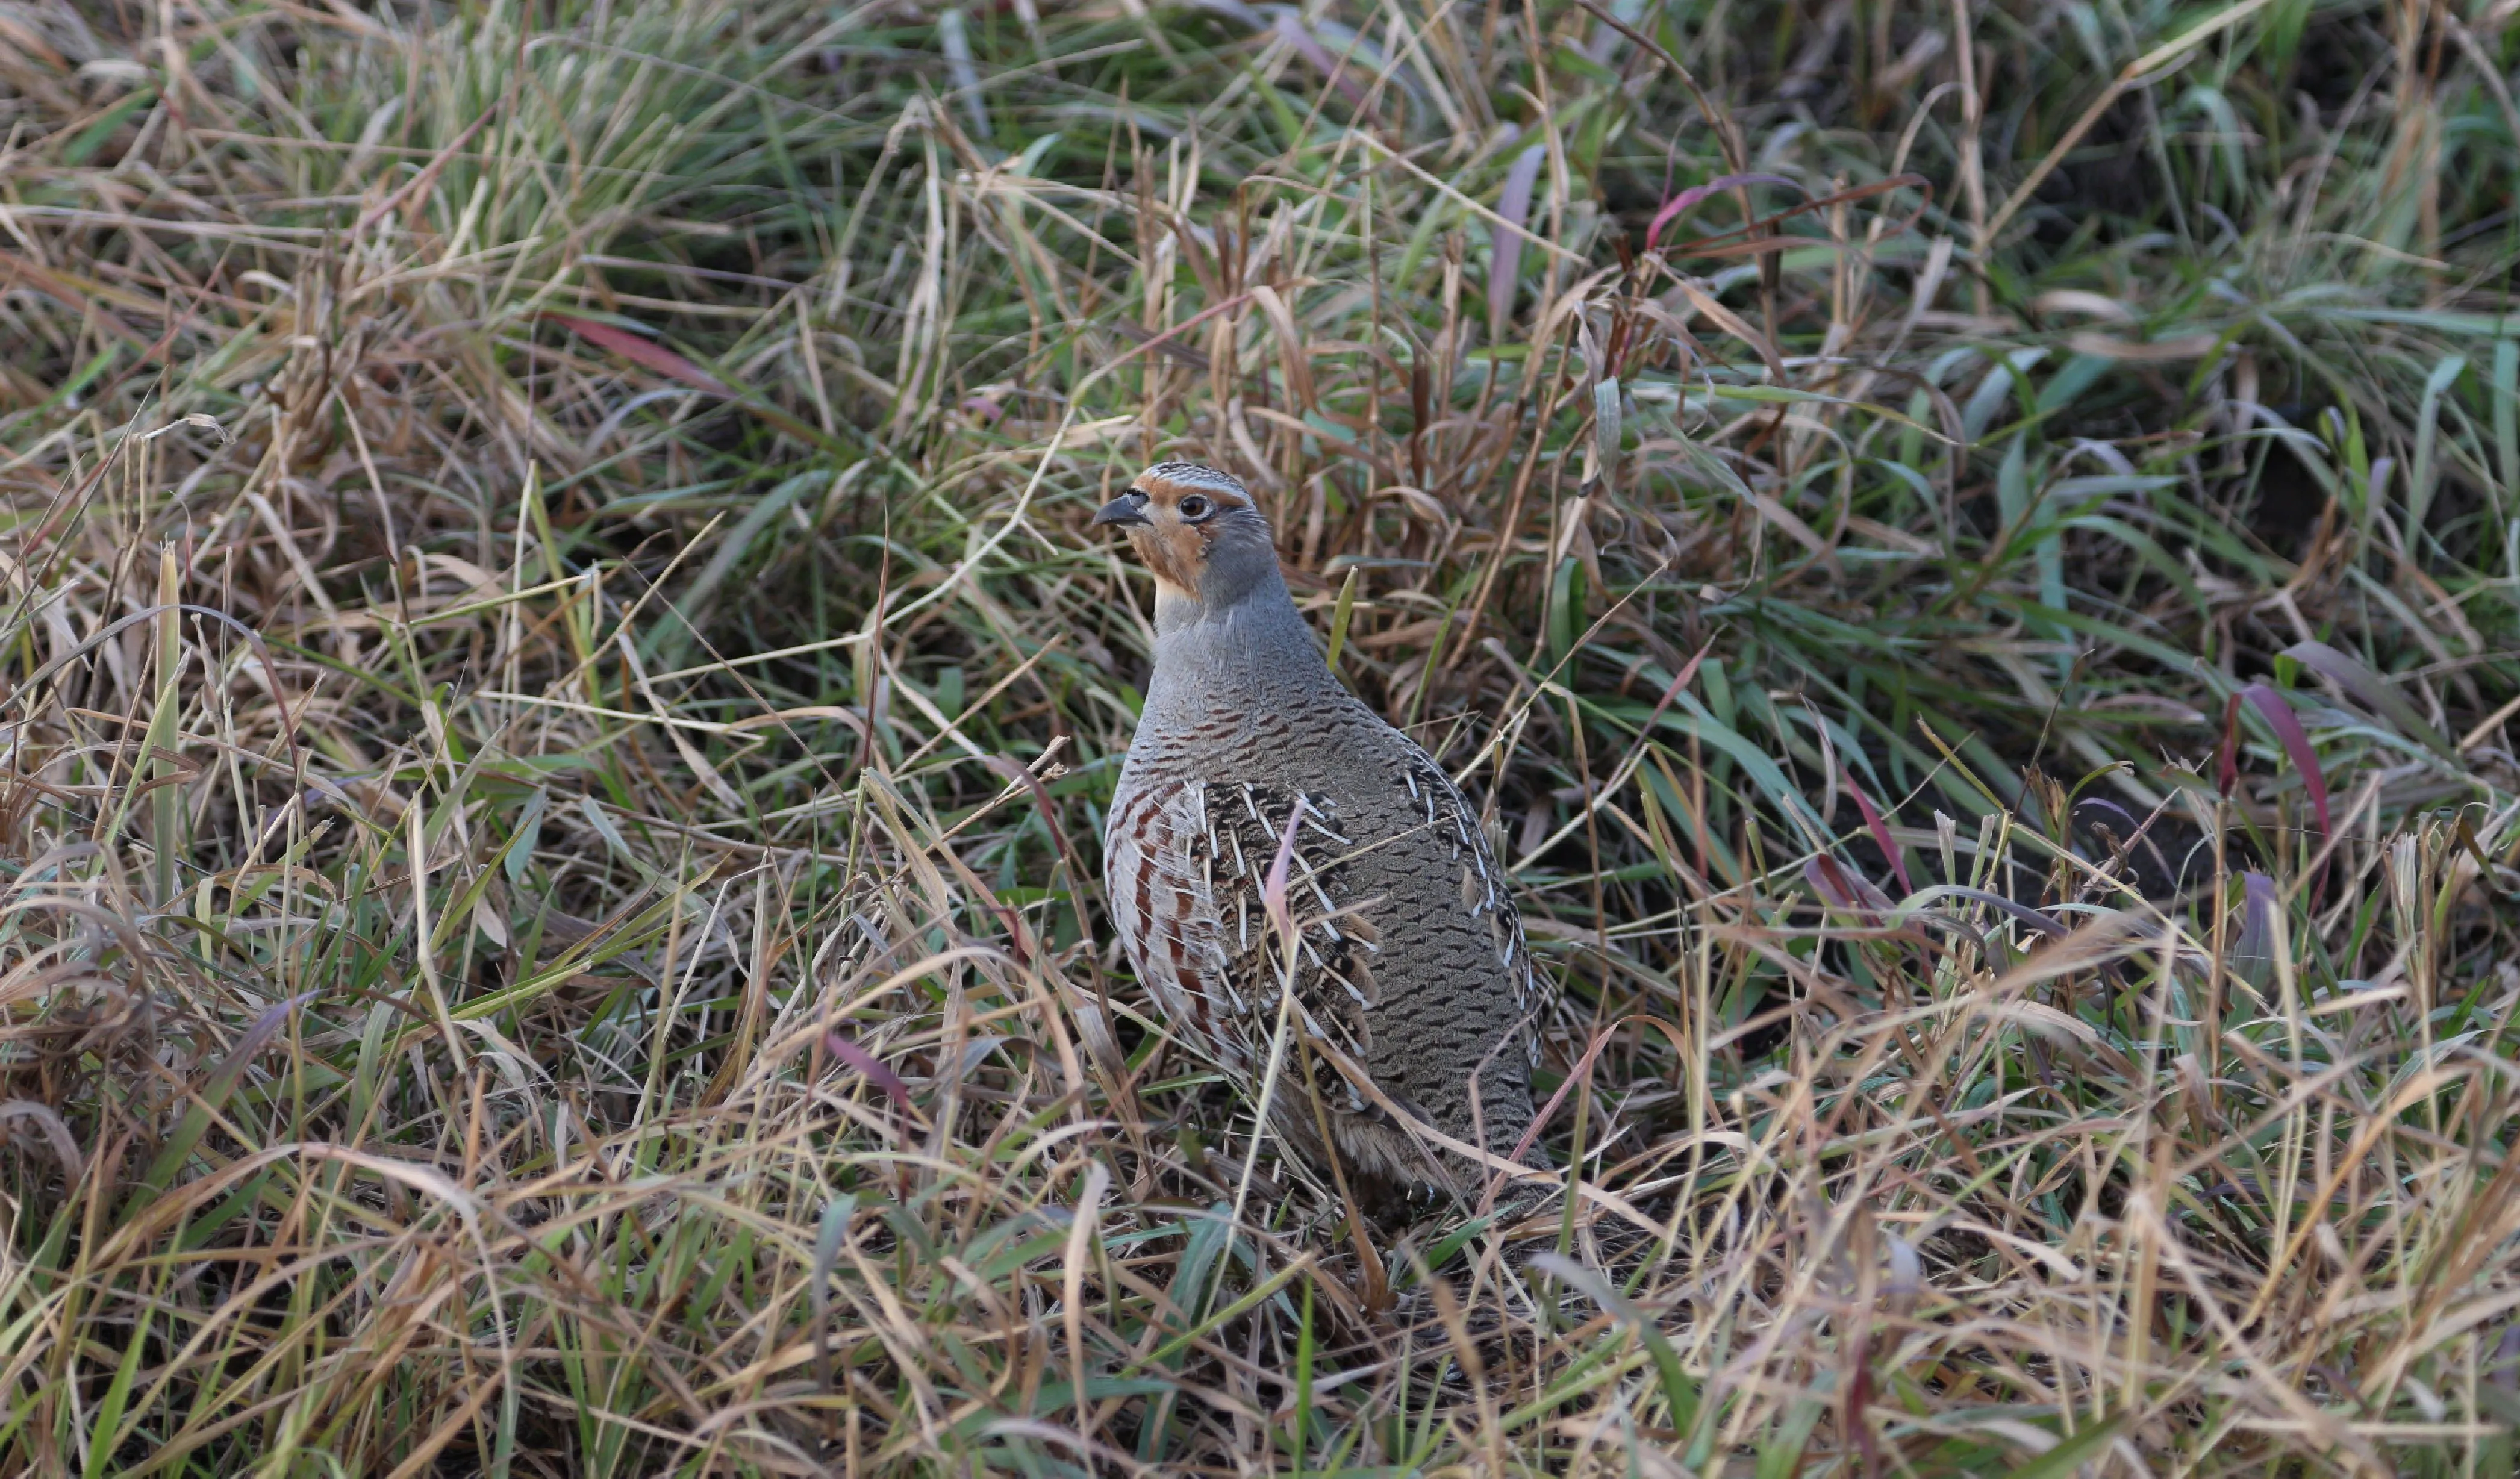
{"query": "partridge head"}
pixel 1198 533
pixel 1415 1014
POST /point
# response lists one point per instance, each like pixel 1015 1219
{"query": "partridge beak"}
pixel 1127 511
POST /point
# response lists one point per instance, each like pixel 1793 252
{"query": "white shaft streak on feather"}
pixel 1178 880
pixel 1505 930
pixel 1185 894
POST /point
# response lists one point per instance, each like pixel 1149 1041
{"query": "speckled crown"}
pixel 1191 474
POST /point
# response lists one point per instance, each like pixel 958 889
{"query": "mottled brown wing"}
pixel 1185 867
pixel 1164 909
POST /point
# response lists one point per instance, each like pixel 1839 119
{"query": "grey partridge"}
pixel 1412 973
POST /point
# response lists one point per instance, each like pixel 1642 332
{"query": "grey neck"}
pixel 1256 648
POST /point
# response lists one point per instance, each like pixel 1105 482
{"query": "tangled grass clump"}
pixel 558 699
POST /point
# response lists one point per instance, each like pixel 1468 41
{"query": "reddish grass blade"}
pixel 1842 885
pixel 1678 685
pixel 1832 891
pixel 644 351
pixel 1688 200
pixel 1721 244
pixel 1881 834
pixel 2296 743
pixel 877 1071
pixel 1583 1071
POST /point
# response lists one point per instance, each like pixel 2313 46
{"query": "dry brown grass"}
pixel 557 704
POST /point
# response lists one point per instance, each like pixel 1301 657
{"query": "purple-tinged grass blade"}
pixel 2039 920
pixel 1505 267
pixel 1272 892
pixel 2253 955
pixel 1291 27
pixel 2106 804
pixel 2368 689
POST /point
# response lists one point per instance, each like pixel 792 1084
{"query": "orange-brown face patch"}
pixel 1174 547
pixel 1174 552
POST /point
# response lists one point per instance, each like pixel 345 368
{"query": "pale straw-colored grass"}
pixel 558 700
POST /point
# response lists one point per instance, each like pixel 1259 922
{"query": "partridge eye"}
pixel 1194 507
